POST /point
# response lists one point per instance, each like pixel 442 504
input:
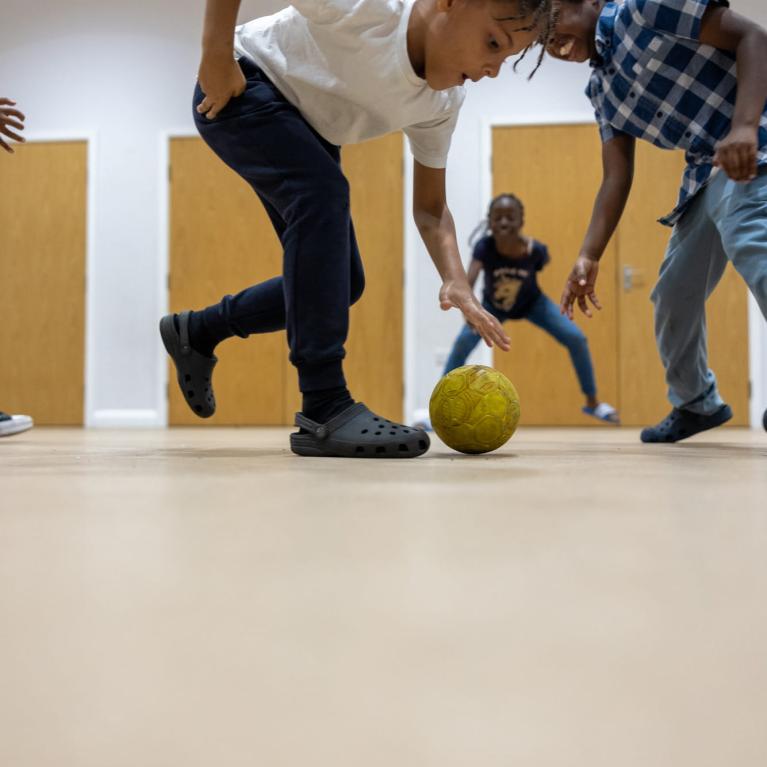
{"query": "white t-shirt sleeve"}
pixel 325 11
pixel 430 141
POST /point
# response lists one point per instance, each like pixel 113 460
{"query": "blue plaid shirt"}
pixel 654 81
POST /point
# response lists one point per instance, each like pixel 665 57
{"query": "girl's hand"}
pixel 736 153
pixel 11 120
pixel 221 79
pixel 460 296
pixel 579 286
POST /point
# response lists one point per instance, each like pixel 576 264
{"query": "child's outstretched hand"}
pixel 736 153
pixel 580 286
pixel 11 120
pixel 460 296
pixel 221 80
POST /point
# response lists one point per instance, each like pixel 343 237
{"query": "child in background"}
pixel 317 75
pixel 11 121
pixel 681 74
pixel 511 262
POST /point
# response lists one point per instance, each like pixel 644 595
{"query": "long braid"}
pixel 539 10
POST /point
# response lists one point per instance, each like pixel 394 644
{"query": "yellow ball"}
pixel 474 409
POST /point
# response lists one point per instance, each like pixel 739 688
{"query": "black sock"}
pixel 322 405
pixel 199 337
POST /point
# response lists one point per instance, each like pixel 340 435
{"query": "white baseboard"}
pixel 126 419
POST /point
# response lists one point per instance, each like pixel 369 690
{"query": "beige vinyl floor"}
pixel 190 598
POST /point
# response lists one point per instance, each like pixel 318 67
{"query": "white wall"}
pixel 124 72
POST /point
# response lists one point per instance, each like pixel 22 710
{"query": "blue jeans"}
pixel 546 315
pixel 726 222
pixel 297 176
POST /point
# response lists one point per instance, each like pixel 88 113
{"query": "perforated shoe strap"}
pixel 324 430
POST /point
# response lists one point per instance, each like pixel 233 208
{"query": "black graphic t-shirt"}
pixel 511 284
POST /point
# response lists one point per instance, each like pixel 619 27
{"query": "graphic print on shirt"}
pixel 507 283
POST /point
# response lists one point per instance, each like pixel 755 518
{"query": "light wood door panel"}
pixel 222 241
pixel 556 171
pixel 42 279
pixel 641 245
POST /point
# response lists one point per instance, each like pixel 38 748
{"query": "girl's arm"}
pixel 475 267
pixel 220 76
pixel 617 177
pixel 435 224
pixel 729 31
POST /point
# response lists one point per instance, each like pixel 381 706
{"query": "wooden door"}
pixel 215 221
pixel 221 241
pixel 641 246
pixel 42 279
pixel 556 171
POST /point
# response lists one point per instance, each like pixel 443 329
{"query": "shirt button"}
pixel 611 71
pixel 660 114
pixel 688 134
pixel 632 95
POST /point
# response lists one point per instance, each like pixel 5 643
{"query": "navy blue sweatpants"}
pixel 298 177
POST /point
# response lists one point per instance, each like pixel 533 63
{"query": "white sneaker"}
pixel 14 424
pixel 421 419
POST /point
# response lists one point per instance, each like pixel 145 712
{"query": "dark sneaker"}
pixel 681 424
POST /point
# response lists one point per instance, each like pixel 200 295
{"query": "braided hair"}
pixel 546 11
pixel 482 229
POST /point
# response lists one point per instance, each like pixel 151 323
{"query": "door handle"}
pixel 632 278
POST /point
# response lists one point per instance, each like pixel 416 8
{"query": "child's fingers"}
pixel 12 122
pixel 566 302
pixel 7 102
pixel 15 113
pixel 15 136
pixel 583 306
pixel 594 300
pixel 208 107
pixel 6 146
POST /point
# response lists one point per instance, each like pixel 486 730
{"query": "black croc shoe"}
pixel 357 433
pixel 194 372
pixel 681 424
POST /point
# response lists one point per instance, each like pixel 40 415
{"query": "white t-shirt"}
pixel 344 65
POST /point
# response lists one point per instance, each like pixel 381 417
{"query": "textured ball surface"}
pixel 474 409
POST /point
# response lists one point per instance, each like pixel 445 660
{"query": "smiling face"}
pixel 505 218
pixel 468 40
pixel 573 36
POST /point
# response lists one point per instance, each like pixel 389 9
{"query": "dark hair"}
pixel 482 229
pixel 539 10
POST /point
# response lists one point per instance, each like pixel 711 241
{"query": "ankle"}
pixel 199 337
pixel 324 404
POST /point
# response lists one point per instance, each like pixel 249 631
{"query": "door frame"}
pixel 163 262
pixel 90 414
pixel 757 327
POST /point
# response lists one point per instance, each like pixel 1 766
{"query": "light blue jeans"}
pixel 726 222
pixel 546 315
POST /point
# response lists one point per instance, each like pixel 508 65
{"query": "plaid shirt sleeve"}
pixel 681 18
pixel 594 92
